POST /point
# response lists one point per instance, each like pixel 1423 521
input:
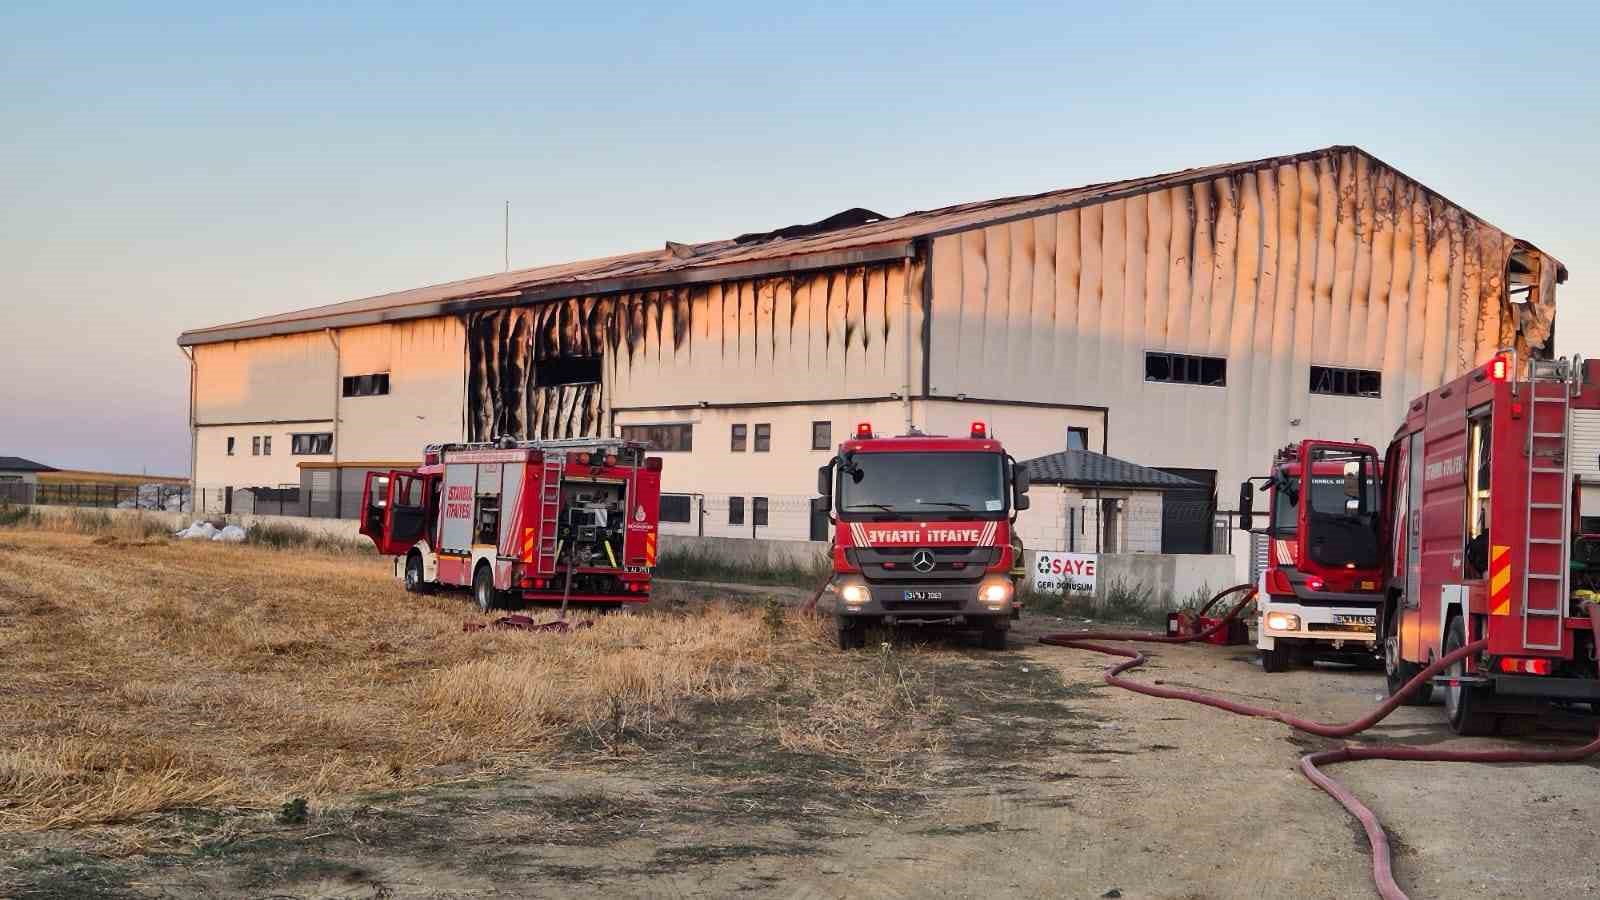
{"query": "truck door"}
pixel 394 510
pixel 1339 500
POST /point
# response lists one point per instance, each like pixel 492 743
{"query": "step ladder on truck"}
pixel 1481 538
pixel 555 521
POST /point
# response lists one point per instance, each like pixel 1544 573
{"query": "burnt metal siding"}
pixel 778 253
pixel 831 333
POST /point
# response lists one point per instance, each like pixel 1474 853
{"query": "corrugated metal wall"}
pixel 824 335
pixel 1334 260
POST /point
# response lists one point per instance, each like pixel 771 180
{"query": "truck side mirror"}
pixel 825 482
pixel 1247 506
pixel 1020 482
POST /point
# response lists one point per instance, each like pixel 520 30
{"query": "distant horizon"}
pixel 190 169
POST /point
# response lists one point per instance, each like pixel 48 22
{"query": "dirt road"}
pixel 1049 784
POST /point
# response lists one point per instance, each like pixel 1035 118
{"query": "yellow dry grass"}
pixel 150 675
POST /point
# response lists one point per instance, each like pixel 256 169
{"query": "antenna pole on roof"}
pixel 508 235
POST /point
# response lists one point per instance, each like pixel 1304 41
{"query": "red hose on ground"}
pixel 1382 873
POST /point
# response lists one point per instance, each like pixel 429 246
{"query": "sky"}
pixel 177 165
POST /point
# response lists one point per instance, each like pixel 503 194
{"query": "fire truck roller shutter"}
pixel 511 481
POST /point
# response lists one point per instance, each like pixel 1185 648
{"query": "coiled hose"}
pixel 1382 872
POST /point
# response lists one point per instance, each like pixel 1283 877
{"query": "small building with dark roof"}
pixel 19 479
pixel 1087 502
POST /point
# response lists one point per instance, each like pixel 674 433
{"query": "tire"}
pixel 1396 671
pixel 1462 703
pixel 852 633
pixel 414 580
pixel 993 635
pixel 483 590
pixel 1279 659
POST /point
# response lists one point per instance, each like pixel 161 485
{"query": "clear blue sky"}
pixel 168 166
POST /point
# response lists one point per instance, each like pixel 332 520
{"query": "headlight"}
pixel 854 594
pixel 1283 622
pixel 995 594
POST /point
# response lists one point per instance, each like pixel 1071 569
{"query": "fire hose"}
pixel 1382 873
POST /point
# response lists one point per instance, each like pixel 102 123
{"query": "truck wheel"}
pixel 993 636
pixel 852 633
pixel 1462 702
pixel 483 590
pixel 414 582
pixel 1279 659
pixel 1396 671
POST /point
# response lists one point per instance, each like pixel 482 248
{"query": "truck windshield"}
pixel 924 483
pixel 1327 498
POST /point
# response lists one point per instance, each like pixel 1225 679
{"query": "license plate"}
pixel 1361 622
pixel 924 595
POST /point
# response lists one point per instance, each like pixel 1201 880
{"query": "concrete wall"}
pixel 1169 577
pixel 735 551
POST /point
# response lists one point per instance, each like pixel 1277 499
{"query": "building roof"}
pixel 851 237
pixel 18 464
pixel 1091 469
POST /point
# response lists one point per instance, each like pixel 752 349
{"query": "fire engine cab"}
pixel 1320 569
pixel 536 521
pixel 923 531
pixel 1483 543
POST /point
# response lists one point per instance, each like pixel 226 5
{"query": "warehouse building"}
pixel 1191 322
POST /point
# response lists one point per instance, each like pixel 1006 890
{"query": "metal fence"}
pixel 153 496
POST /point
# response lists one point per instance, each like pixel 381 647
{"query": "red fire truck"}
pixel 522 520
pixel 1483 542
pixel 923 531
pixel 1318 579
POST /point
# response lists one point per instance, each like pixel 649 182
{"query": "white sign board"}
pixel 1068 573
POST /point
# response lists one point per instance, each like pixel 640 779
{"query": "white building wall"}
pixel 424 361
pixel 215 468
pixel 1069 519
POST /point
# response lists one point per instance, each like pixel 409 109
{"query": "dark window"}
pixel 763 438
pixel 675 508
pixel 758 511
pixel 822 435
pixel 230 446
pixel 735 510
pixel 266 445
pixel 739 433
pixel 1077 438
pixel 311 444
pixel 661 437
pixel 1346 382
pixel 1181 368
pixel 366 385
pixel 255 445
pixel 569 370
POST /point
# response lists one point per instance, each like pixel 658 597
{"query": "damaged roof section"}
pixel 853 237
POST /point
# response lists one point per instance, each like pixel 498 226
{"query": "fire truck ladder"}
pixel 550 512
pixel 1546 523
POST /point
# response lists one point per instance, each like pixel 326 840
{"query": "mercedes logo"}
pixel 922 561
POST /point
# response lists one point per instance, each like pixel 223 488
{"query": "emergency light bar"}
pixel 980 430
pixel 1500 367
pixel 863 430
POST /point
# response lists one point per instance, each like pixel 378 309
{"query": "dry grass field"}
pixel 145 674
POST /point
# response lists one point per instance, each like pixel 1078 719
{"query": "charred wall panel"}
pixel 814 335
